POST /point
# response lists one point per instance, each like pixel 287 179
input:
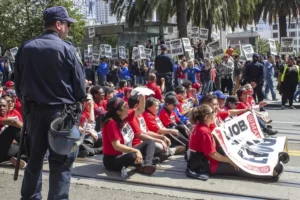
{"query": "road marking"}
pixel 294 153
pixel 280 122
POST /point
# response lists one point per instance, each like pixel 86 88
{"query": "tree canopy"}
pixel 22 20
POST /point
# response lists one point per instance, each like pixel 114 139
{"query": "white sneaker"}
pixel 13 161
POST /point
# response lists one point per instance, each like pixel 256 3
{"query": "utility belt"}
pixel 44 106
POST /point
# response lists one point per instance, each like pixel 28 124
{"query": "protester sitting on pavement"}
pixel 17 103
pixel 109 92
pixel 12 112
pixel 170 120
pixel 221 98
pixel 98 95
pixel 202 144
pixel 197 88
pixel 127 93
pixel 10 85
pixel 10 129
pixel 288 79
pixel 122 86
pixel 155 88
pixel 184 106
pixel 141 132
pixel 155 125
pixel 117 139
pixel 243 96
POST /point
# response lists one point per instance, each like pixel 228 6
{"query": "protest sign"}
pixel 176 47
pixel 96 59
pixel 207 54
pixel 127 53
pixel 215 49
pixel 273 49
pixel 13 53
pixel 114 53
pixel 142 52
pixel 168 47
pixel 148 53
pixel 248 51
pixel 193 32
pixel 90 51
pixel 91 32
pixel 159 50
pixel 102 50
pixel 243 142
pixel 287 45
pixel 203 34
pixel 122 52
pixel 192 54
pixel 86 55
pixel 186 44
pixel 135 53
pixel 107 49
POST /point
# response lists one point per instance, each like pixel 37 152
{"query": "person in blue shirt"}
pixel 269 74
pixel 102 72
pixel 191 71
pixel 124 73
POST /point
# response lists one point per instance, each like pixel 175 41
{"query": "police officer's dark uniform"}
pixel 48 77
pixel 254 72
pixel 164 65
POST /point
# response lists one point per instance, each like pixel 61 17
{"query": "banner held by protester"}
pixel 186 44
pixel 193 32
pixel 203 34
pixel 287 45
pixel 176 47
pixel 248 51
pixel 148 53
pixel 215 49
pixel 108 53
pixel 135 54
pixel 273 49
pixel 142 52
pixel 114 53
pixel 122 52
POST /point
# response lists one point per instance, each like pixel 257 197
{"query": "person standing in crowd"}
pixel 288 79
pixel 226 72
pixel 164 66
pixel 102 71
pixel 149 45
pixel 191 71
pixel 278 65
pixel 200 50
pixel 48 77
pixel 206 77
pixel 254 74
pixel 124 73
pixel 229 51
pixel 237 73
pixel 269 75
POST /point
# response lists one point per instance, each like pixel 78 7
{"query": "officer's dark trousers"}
pixel 227 83
pixel 38 122
pixel 258 92
pixel 288 91
pixel 7 149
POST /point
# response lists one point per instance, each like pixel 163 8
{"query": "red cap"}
pixel 9 84
pixel 196 85
pixel 226 56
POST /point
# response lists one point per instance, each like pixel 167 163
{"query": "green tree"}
pixel 22 20
pixel 278 10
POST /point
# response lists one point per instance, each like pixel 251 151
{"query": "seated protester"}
pixel 10 85
pixel 127 93
pixel 231 103
pixel 12 93
pixel 243 95
pixel 191 71
pixel 155 88
pixel 197 87
pixel 87 124
pixel 12 112
pixel 170 120
pixel 122 86
pixel 117 139
pixel 140 130
pixel 154 124
pixel 185 104
pixel 190 91
pixel 109 92
pixel 203 143
pixel 221 98
pixel 98 95
pixel 10 129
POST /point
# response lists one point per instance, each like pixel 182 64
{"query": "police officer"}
pixel 164 65
pixel 48 77
pixel 254 74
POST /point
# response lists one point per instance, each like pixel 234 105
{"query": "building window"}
pixel 295 42
pixel 275 26
pixel 292 26
pixel 275 35
pixel 292 34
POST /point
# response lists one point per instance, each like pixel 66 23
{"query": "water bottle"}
pixel 124 173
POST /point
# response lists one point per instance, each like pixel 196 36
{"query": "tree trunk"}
pixel 181 8
pixel 282 26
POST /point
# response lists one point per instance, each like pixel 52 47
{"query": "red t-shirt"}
pixel 242 105
pixel 251 101
pixel 1 119
pixel 120 90
pixel 157 92
pixel 85 115
pixel 15 113
pixel 18 106
pixel 180 105
pixel 134 122
pixel 110 133
pixel 152 121
pixel 201 140
pixel 100 104
pixel 168 117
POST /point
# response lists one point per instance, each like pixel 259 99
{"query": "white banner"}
pixel 122 52
pixel 102 50
pixel 273 50
pixel 135 53
pixel 148 53
pixel 168 47
pixel 215 49
pixel 192 54
pixel 186 44
pixel 244 143
pixel 107 49
pixel 287 45
pixel 193 32
pixel 176 47
pixel 248 51
pixel 91 32
pixel 96 59
pixel 142 52
pixel 114 53
pixel 203 34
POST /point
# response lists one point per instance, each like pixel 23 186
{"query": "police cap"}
pixel 57 13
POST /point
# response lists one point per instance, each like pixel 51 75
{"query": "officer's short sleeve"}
pixel 78 75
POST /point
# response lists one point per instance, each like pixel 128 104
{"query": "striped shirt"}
pixel 226 69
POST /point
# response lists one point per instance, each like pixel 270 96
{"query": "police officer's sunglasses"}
pixel 65 22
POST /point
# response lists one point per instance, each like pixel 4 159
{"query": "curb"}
pixel 279 105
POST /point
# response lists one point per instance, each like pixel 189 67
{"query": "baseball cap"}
pixel 196 85
pixel 11 93
pixel 58 13
pixel 219 94
pixel 163 47
pixel 255 55
pixel 9 84
pixel 171 100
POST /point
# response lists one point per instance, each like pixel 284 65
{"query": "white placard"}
pixel 187 44
pixel 107 49
pixel 142 52
pixel 203 34
pixel 192 54
pixel 193 32
pixel 168 47
pixel 114 53
pixel 122 52
pixel 176 47
pixel 248 51
pixel 273 49
pixel 215 49
pixel 96 59
pixel 148 53
pixel 287 45
pixel 90 50
pixel 92 32
pixel 135 53
pixel 128 135
pixel 102 50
